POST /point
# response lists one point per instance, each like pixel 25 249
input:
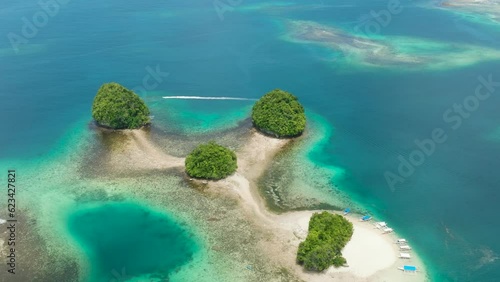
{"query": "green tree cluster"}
pixel 211 161
pixel 119 108
pixel 279 113
pixel 328 234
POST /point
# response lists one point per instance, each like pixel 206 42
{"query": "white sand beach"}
pixel 371 255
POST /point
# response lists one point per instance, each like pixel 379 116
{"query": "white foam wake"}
pixel 207 98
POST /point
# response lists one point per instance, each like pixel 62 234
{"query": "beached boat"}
pixel 401 241
pixel 346 211
pixel 404 247
pixel 388 230
pixel 381 224
pixel 366 218
pixel 408 268
pixel 404 255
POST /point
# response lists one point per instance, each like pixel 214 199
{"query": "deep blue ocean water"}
pixel 447 208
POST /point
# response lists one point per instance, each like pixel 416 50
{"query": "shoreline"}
pixel 371 255
pixel 377 261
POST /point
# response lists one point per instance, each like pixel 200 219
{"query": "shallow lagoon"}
pixel 125 240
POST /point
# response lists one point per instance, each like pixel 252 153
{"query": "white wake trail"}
pixel 207 98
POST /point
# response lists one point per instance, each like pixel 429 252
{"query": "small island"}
pixel 328 234
pixel 308 245
pixel 279 114
pixel 117 107
pixel 211 161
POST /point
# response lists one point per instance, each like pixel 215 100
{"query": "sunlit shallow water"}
pixel 126 240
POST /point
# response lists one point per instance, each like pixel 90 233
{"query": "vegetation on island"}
pixel 211 161
pixel 328 234
pixel 279 113
pixel 119 108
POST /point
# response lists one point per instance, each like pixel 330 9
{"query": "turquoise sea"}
pixel 371 105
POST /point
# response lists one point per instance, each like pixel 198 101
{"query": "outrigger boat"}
pixel 401 241
pixel 366 218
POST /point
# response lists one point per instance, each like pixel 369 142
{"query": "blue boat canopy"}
pixel 347 210
pixel 410 268
pixel 366 217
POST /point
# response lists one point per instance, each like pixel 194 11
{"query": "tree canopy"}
pixel 328 234
pixel 119 108
pixel 211 161
pixel 279 113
